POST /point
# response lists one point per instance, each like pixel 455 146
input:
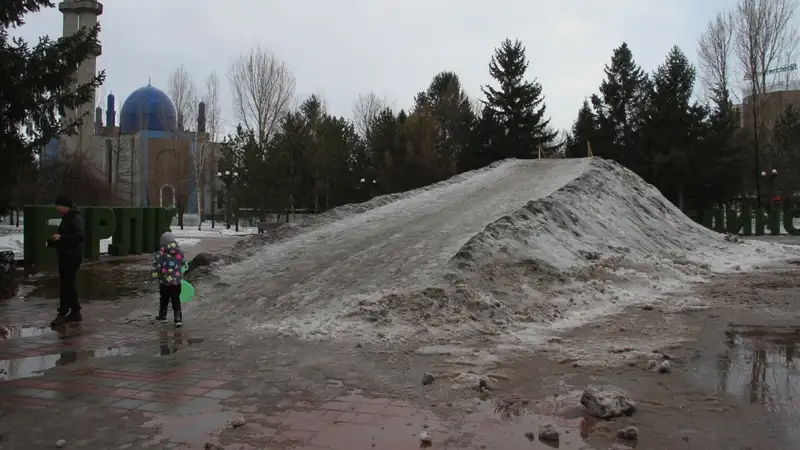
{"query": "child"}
pixel 167 270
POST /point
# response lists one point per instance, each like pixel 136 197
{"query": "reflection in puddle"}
pixel 12 369
pixel 172 342
pixel 14 332
pixel 193 429
pixel 514 421
pixel 760 366
pixel 96 282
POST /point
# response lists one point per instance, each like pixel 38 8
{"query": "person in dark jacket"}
pixel 68 242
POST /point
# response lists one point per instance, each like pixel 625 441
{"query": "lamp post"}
pixel 364 185
pixel 753 79
pixel 228 178
pixel 772 175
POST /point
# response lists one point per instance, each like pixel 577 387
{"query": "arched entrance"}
pixel 167 195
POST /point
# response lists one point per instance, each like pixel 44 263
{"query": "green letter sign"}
pixel 133 230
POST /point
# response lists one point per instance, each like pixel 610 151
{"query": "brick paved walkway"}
pixel 148 393
pixel 102 385
pixel 138 388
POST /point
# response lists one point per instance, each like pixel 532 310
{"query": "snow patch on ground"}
pixel 515 250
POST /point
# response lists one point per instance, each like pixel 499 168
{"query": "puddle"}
pixel 761 366
pixel 172 342
pixel 190 428
pixel 15 332
pixel 12 369
pixel 96 282
pixel 515 422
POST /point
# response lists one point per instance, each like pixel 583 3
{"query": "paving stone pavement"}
pixel 158 387
pixel 102 385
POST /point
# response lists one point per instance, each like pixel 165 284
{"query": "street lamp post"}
pixel 772 175
pixel 753 79
pixel 228 178
pixel 364 185
pixel 213 202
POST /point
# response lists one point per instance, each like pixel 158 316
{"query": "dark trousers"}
pixel 169 294
pixel 68 293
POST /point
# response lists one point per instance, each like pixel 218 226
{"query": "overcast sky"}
pixel 345 47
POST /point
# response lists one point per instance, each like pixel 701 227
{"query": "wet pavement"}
pixel 108 385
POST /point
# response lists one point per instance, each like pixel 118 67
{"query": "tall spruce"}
pixel 36 89
pixel 583 132
pixel 517 105
pixel 621 110
pixel 674 128
pixel 450 105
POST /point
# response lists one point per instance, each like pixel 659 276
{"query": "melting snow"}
pixel 512 249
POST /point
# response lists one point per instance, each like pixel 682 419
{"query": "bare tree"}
pixel 202 153
pixel 262 88
pixel 183 92
pixel 213 108
pixel 366 110
pixel 714 51
pixel 764 34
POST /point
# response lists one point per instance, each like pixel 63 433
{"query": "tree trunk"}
pixel 327 192
pixel 199 189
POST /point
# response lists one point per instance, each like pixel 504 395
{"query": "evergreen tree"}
pixel 674 128
pixel 517 106
pixel 486 134
pixel 36 89
pixel 385 143
pixel 719 162
pixel 449 103
pixel 584 130
pixel 620 109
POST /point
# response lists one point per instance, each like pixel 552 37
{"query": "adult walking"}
pixel 68 242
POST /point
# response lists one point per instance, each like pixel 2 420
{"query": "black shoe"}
pixel 162 317
pixel 59 321
pixel 178 319
pixel 74 316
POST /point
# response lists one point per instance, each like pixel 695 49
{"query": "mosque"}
pixel 146 156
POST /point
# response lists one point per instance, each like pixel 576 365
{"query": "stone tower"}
pixel 78 14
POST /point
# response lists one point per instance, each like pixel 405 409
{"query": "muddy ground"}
pixel 730 346
pixel 732 378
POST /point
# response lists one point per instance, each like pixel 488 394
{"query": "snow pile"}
pixel 516 246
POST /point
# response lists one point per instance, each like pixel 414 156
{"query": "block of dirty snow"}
pixel 606 401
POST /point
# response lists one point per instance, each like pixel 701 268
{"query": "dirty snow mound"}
pixel 518 245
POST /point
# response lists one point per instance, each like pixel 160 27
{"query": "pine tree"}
pixel 584 130
pixel 719 162
pixel 621 110
pixel 36 89
pixel 450 105
pixel 674 126
pixel 517 106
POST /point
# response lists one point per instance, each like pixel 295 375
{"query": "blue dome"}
pixel 148 108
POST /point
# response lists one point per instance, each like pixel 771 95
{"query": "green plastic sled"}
pixel 187 290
